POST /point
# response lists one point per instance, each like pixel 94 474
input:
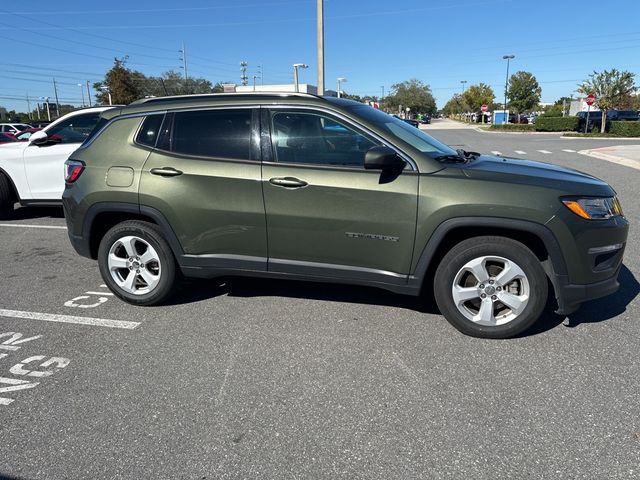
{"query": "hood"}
pixel 541 174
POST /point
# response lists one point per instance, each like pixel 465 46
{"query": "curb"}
pixel 627 162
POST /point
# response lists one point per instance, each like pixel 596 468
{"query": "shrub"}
pixel 514 127
pixel 556 124
pixel 625 129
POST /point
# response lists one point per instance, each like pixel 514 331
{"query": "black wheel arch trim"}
pixel 543 233
pixel 122 207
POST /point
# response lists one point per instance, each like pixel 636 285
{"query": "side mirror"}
pixel 38 138
pixel 383 158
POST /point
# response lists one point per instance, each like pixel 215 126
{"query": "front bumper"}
pixel 570 297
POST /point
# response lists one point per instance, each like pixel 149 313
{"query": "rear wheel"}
pixel 137 263
pixel 7 198
pixel 490 287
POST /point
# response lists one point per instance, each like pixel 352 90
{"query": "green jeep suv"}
pixel 302 187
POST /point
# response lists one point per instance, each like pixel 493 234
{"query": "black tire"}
pixel 483 314
pixel 163 268
pixel 7 198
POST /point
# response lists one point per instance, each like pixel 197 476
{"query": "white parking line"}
pixel 50 317
pixel 21 225
pixel 520 152
pixel 568 150
pixel 100 293
pixel 495 152
pixel 544 151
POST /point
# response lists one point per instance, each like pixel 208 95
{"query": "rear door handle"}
pixel 166 172
pixel 288 182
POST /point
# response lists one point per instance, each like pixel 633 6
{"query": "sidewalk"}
pixel 627 155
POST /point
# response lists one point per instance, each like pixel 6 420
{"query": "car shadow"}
pixel 593 311
pixel 29 213
pixel 194 290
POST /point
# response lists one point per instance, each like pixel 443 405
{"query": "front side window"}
pixel 317 139
pixel 213 133
pixel 75 129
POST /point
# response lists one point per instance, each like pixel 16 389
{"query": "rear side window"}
pixel 213 133
pixel 148 133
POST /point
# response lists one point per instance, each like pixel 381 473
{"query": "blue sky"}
pixel 373 43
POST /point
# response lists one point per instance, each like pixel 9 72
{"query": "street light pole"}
pixel 339 81
pixel 463 82
pixel 105 88
pixel 295 74
pixel 506 84
pixel 82 92
pixel 320 35
pixel 46 99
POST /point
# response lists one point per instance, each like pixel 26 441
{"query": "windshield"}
pixel 405 132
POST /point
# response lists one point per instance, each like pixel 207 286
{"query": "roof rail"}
pixel 230 94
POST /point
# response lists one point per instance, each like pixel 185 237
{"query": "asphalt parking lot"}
pixel 241 378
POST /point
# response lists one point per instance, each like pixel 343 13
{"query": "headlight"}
pixel 594 208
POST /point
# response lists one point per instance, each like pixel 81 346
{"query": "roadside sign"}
pixel 590 99
pixel 484 108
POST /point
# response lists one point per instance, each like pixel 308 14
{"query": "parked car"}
pixel 31 171
pixel 595 119
pixel 410 121
pixel 7 137
pixel 426 119
pixel 13 128
pixel 40 124
pixel 254 184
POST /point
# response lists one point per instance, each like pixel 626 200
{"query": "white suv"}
pixel 14 128
pixel 32 172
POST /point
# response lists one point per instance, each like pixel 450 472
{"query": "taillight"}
pixel 72 170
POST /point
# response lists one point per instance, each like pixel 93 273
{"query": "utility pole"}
pixel 46 99
pixel 260 75
pixel 55 90
pixel 183 52
pixel 29 106
pixel 244 80
pixel 88 93
pixel 463 85
pixel 320 28
pixel 382 87
pixel 38 108
pixel 82 93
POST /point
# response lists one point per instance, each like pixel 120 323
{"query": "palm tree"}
pixel 610 88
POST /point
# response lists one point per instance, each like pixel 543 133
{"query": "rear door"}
pixel 204 177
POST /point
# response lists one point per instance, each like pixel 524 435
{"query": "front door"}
pixel 326 214
pixel 44 164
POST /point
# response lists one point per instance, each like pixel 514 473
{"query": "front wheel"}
pixel 137 263
pixel 490 287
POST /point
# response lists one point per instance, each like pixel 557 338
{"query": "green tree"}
pixel 412 94
pixel 455 105
pixel 121 83
pixel 611 89
pixel 477 95
pixel 523 92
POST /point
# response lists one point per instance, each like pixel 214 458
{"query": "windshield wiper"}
pixel 468 155
pixel 461 157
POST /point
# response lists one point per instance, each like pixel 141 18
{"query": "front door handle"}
pixel 166 172
pixel 288 182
